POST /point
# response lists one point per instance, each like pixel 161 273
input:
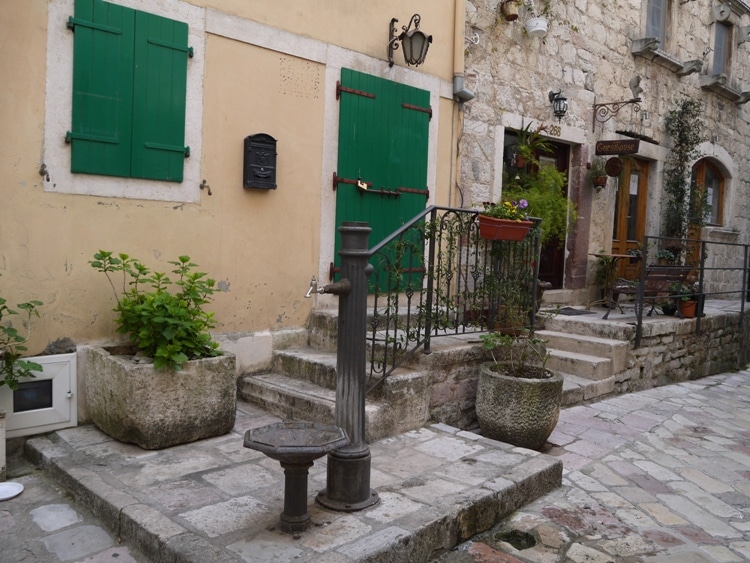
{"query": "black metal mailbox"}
pixel 260 162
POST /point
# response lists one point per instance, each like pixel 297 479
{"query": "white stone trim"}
pixel 59 106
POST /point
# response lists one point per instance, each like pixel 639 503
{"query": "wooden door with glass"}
pixel 629 224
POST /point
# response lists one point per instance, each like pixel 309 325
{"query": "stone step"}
pixel 404 405
pixel 578 389
pixel 615 350
pixel 314 366
pixel 581 365
pixel 592 325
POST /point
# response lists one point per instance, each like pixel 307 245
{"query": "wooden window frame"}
pixel 698 177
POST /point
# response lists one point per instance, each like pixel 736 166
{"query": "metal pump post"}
pixel 348 479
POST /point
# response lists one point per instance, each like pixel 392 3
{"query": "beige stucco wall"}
pixel 262 246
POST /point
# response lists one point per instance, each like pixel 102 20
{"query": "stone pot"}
pixel 517 410
pixel 159 408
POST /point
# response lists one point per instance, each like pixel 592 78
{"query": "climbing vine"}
pixel 686 202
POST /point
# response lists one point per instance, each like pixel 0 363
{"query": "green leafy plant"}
pixel 531 143
pixel 164 319
pixel 526 355
pixel 681 291
pixel 542 187
pixel 665 255
pixel 686 201
pixel 12 343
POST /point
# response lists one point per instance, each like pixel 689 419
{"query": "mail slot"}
pixel 260 162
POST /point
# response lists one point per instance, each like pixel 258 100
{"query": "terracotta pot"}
pixel 518 410
pixel 510 10
pixel 491 228
pixel 687 308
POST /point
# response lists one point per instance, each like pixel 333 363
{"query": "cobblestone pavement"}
pixel 658 475
pixel 45 525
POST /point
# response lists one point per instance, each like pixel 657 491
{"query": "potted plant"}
pixel 181 387
pixel 530 143
pixel 598 174
pixel 505 220
pixel 518 398
pixel 668 307
pixel 635 254
pixel 685 298
pixel 665 256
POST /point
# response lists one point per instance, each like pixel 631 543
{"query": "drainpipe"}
pixel 460 93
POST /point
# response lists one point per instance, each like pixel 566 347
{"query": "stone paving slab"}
pixel 655 476
pixel 215 500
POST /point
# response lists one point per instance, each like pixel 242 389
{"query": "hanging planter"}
pixel 510 10
pixel 536 27
pixel 492 228
pixel 599 181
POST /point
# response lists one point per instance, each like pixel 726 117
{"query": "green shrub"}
pixel 164 319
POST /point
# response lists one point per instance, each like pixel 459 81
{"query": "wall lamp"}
pixel 413 41
pixel 559 104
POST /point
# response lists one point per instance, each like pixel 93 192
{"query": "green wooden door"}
pixel 383 142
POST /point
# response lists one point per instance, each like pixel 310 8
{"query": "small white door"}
pixel 45 403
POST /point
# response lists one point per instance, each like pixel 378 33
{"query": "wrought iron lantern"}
pixel 559 104
pixel 414 42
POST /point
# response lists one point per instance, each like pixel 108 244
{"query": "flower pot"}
pixel 687 308
pixel 518 410
pixel 536 27
pixel 492 228
pixel 599 181
pixel 668 309
pixel 510 10
pixel 157 408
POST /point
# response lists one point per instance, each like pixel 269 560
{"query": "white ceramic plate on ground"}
pixel 9 489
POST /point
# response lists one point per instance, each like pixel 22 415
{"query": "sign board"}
pixel 620 146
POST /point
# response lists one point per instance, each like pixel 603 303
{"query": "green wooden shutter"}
pixel 102 93
pixel 160 87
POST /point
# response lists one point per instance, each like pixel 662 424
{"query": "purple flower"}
pixel 523 204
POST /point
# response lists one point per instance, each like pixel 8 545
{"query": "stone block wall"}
pixel 671 352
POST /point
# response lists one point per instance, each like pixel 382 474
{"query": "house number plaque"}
pixel 260 162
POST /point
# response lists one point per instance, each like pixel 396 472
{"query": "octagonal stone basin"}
pixel 296 445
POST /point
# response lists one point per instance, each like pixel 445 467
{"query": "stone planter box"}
pixel 133 402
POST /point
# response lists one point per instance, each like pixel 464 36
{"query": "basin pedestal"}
pixel 296 445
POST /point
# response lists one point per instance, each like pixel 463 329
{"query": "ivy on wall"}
pixel 686 202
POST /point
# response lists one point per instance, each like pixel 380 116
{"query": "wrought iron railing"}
pixel 721 270
pixel 436 277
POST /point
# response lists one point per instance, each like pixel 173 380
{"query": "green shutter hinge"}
pixel 190 52
pixel 187 152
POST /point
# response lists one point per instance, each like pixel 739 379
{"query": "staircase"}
pixel 301 383
pixel 589 354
